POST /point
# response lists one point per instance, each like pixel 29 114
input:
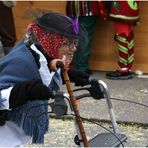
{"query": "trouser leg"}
pixel 81 57
pixel 125 45
pixel 126 51
pixel 123 51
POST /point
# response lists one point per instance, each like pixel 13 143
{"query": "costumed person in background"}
pixel 87 12
pixel 124 14
pixel 7 25
pixel 29 77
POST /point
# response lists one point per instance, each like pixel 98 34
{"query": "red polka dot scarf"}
pixel 50 42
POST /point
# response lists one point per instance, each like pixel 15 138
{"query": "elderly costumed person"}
pixel 29 77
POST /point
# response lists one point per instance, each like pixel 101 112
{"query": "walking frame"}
pixel 59 107
pixel 103 139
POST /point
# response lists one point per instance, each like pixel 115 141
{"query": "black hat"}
pixel 63 25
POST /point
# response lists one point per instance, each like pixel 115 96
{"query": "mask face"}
pixel 68 48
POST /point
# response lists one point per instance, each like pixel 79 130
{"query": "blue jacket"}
pixel 17 66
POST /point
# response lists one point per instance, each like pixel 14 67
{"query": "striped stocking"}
pixel 126 51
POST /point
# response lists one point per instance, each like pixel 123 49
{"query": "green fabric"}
pixel 81 56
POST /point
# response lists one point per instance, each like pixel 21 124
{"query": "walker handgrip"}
pixel 96 90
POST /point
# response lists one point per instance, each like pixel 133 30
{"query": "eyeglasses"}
pixel 71 43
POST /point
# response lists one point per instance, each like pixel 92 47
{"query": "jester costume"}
pixel 88 11
pixel 27 81
pixel 124 15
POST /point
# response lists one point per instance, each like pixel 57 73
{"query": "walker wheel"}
pixel 77 140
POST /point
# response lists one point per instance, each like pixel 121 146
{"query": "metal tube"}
pixel 110 107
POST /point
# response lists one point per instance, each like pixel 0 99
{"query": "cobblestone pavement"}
pixel 62 132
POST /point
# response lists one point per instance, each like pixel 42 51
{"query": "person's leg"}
pixel 125 46
pixel 123 52
pixel 7 28
pixel 81 57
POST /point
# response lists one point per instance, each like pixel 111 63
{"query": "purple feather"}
pixel 74 24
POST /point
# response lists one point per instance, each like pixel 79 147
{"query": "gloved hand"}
pixel 96 91
pixel 79 77
pixel 29 90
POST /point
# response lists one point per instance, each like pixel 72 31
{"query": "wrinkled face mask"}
pixel 53 44
pixel 68 48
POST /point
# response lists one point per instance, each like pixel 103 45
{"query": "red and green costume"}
pixel 124 14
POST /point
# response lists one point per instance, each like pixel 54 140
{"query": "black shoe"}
pixel 116 75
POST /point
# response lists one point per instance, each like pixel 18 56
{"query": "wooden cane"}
pixel 75 107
